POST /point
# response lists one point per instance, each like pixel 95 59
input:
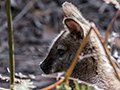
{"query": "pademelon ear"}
pixel 74 28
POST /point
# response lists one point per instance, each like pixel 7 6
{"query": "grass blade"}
pixel 10 42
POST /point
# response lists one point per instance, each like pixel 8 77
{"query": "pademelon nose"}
pixel 42 65
pixel 44 68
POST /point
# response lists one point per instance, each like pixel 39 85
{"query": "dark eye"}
pixel 60 52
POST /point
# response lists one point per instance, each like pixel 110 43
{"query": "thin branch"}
pixel 5 78
pixel 109 27
pixel 73 79
pixel 70 69
pixel 20 15
pixel 87 56
pixel 53 85
pixel 24 11
pixel 20 57
pixel 107 53
pixel 112 62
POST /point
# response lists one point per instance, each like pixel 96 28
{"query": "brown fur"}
pixel 95 69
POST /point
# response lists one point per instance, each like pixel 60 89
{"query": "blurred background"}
pixel 35 25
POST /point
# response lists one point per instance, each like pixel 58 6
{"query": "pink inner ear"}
pixel 71 24
pixel 74 27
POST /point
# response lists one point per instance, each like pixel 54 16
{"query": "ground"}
pixel 36 23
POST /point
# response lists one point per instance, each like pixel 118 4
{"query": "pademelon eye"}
pixel 60 52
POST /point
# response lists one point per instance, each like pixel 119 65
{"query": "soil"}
pixel 36 23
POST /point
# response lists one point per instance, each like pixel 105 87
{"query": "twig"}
pixel 5 78
pixel 85 83
pixel 20 57
pixel 69 71
pixel 108 54
pixel 24 11
pixel 20 15
pixel 106 43
pixel 53 85
pixel 109 27
pixel 73 79
pixel 87 56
